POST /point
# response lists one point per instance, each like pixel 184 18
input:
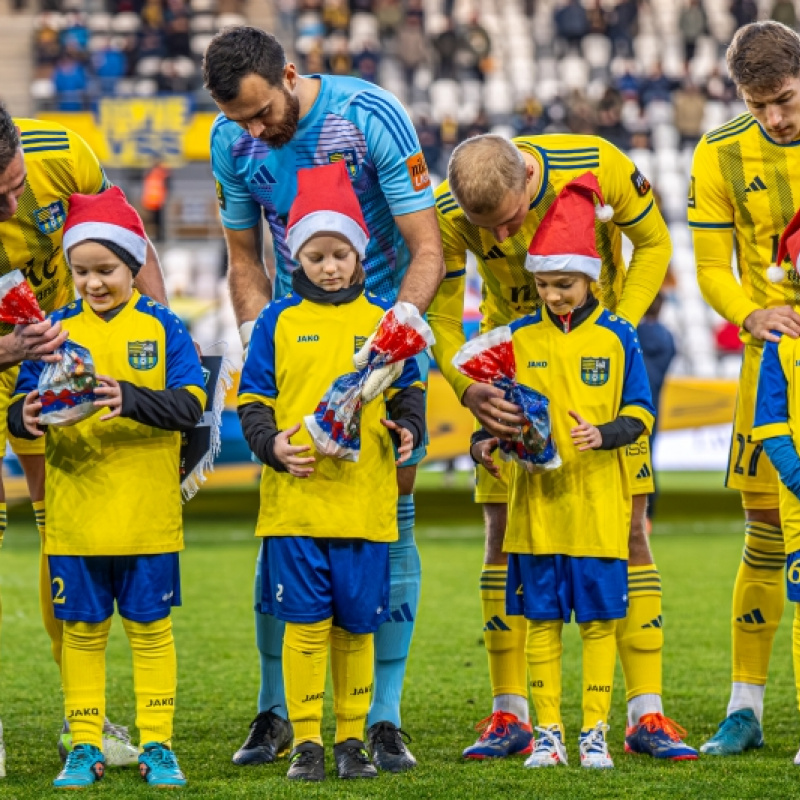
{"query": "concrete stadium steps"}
pixel 16 42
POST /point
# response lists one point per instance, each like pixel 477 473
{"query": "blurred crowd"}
pixel 86 50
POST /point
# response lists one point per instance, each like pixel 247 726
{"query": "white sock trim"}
pixel 747 695
pixel 643 704
pixel 514 704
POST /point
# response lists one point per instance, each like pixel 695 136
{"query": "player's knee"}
pixel 308 637
pixel 495 515
pixel 269 635
pixel 406 477
pixel 598 629
pixel 755 513
pixel 87 636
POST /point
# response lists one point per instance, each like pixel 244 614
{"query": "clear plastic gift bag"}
pixel 66 387
pixel 335 425
pixel 489 358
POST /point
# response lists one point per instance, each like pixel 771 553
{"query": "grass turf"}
pixel 447 687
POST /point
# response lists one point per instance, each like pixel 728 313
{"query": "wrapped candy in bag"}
pixel 335 425
pixel 489 358
pixel 66 387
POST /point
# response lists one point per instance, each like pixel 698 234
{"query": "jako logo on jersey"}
pixel 143 355
pixel 50 218
pixel 311 337
pixel 537 364
pixel 348 156
pixel 418 172
pixel 263 177
pixel 594 371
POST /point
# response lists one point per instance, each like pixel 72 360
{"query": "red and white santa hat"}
pixel 565 238
pixel 326 203
pixel 107 218
pixel 789 245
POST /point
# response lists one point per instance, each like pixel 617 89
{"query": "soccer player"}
pixel 327 522
pixel 274 122
pixel 567 532
pixel 41 165
pixel 118 469
pixel 491 205
pixel 745 186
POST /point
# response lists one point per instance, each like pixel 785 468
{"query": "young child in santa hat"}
pixel 327 522
pixel 112 486
pixel 567 531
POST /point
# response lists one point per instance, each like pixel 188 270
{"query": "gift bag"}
pixel 489 358
pixel 66 387
pixel 335 425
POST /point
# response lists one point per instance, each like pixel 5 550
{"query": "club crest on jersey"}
pixel 348 156
pixel 143 355
pixel 50 218
pixel 594 371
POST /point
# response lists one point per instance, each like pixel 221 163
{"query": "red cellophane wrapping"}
pixel 18 304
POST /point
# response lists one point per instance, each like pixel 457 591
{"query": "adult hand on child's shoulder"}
pixel 289 454
pixel 498 416
pixel 585 436
pixel 31 408
pixel 110 393
pixel 406 440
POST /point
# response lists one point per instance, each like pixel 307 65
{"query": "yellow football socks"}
pixel 53 626
pixel 305 661
pixel 84 679
pixel 640 637
pixel 543 651
pixel 504 635
pixel 155 677
pixel 599 658
pixel 352 668
pixel 758 598
pixel 796 649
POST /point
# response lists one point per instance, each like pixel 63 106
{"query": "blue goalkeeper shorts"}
pixel 553 587
pixel 305 579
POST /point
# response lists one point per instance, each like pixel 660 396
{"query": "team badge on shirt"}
pixel 348 156
pixel 143 355
pixel 50 218
pixel 594 371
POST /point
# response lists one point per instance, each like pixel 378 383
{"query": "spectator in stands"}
pixel 477 127
pixel 474 50
pixel 367 62
pixel 785 12
pixel 744 12
pixel 609 120
pixel 414 10
pixel 70 81
pixel 391 18
pixel 658 350
pixel 47 47
pixel 598 18
pixel 335 16
pixel 75 32
pixel 430 143
pixel 151 42
pixel 629 83
pixel 572 22
pixel 176 29
pixel 690 106
pixel 657 87
pixel 622 27
pixel 693 24
pixel 446 45
pixel 109 64
pixel 412 48
pixel 528 118
pixel 580 114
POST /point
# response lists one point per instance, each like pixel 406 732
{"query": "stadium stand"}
pixel 647 75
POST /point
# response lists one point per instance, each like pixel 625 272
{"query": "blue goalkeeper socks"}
pixel 393 638
pixel 269 640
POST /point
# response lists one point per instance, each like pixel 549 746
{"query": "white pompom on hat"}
pixel 565 238
pixel 326 203
pixel 789 245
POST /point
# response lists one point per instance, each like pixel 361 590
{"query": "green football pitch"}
pixel 697 542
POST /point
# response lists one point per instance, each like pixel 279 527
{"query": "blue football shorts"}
pixel 554 586
pixel 305 579
pixel 85 587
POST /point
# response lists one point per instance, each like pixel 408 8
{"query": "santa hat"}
pixel 788 245
pixel 326 203
pixel 564 240
pixel 107 218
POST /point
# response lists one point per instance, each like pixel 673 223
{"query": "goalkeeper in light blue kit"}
pixel 273 123
pixel 777 425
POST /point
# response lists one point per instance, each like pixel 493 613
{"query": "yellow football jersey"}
pixel 297 350
pixel 509 290
pixel 112 487
pixel 58 164
pixel 583 507
pixel 744 190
